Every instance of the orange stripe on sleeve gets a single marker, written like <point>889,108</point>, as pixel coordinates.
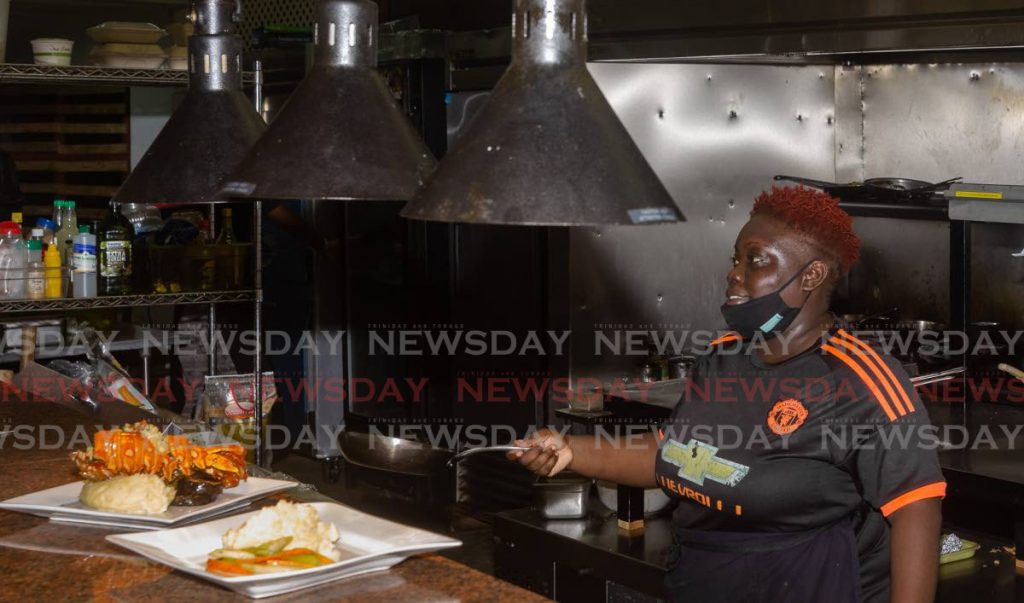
<point>725,338</point>
<point>879,377</point>
<point>850,362</point>
<point>935,490</point>
<point>871,352</point>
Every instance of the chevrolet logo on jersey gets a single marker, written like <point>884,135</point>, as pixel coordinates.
<point>697,460</point>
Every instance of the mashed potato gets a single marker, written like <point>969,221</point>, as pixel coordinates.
<point>299,521</point>
<point>141,494</point>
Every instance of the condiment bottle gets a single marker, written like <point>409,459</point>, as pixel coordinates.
<point>54,275</point>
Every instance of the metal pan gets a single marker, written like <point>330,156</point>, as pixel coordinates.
<point>876,189</point>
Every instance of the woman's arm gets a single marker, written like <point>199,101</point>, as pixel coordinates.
<point>628,461</point>
<point>915,551</point>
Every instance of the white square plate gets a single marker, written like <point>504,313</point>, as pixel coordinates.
<point>367,544</point>
<point>63,502</point>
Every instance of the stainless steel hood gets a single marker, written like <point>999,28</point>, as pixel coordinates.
<point>546,149</point>
<point>340,135</point>
<point>211,131</point>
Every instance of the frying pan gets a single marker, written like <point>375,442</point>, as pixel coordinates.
<point>902,189</point>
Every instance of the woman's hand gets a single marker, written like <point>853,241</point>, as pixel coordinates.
<point>549,453</point>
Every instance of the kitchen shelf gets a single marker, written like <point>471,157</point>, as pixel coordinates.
<point>971,202</point>
<point>89,74</point>
<point>120,301</point>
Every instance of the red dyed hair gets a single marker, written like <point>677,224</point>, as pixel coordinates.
<point>816,215</point>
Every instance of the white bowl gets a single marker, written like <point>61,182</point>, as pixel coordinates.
<point>654,498</point>
<point>52,51</point>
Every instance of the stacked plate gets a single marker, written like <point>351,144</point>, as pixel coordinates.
<point>127,45</point>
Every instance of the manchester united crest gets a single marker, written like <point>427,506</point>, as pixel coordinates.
<point>786,416</point>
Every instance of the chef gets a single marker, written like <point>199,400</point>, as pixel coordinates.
<point>835,494</point>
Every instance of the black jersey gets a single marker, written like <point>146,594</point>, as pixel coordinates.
<point>836,434</point>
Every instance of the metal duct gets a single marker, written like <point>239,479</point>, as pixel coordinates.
<point>340,135</point>
<point>546,149</point>
<point>211,131</point>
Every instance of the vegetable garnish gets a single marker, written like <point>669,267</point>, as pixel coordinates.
<point>266,558</point>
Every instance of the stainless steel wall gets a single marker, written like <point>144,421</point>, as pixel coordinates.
<point>715,134</point>
<point>932,122</point>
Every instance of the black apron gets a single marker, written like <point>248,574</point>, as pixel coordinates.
<point>747,567</point>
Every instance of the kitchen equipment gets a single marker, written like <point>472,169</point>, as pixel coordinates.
<point>563,496</point>
<point>472,451</point>
<point>395,455</point>
<point>655,500</point>
<point>947,375</point>
<point>546,119</point>
<point>679,366</point>
<point>127,32</point>
<point>52,51</point>
<point>212,128</point>
<point>878,189</point>
<point>318,146</point>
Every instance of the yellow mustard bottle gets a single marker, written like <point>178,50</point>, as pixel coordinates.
<point>51,262</point>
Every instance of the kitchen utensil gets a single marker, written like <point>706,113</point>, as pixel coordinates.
<point>393,455</point>
<point>930,378</point>
<point>472,451</point>
<point>562,497</point>
<point>367,544</point>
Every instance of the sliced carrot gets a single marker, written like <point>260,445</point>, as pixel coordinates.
<point>229,569</point>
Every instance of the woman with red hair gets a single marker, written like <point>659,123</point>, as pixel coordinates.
<point>834,493</point>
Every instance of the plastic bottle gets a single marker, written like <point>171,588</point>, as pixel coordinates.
<point>49,228</point>
<point>12,261</point>
<point>66,233</point>
<point>35,273</point>
<point>36,255</point>
<point>58,212</point>
<point>115,253</point>
<point>84,263</point>
<point>16,218</point>
<point>54,275</point>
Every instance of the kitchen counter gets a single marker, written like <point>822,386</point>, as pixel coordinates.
<point>592,548</point>
<point>89,568</point>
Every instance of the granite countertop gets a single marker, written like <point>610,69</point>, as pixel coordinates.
<point>89,568</point>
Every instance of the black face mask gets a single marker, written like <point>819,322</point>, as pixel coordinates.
<point>768,314</point>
